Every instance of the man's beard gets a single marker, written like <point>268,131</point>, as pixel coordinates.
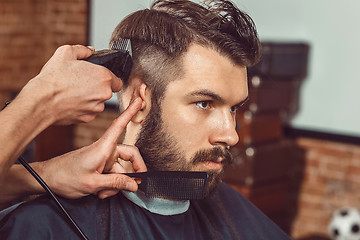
<point>160,151</point>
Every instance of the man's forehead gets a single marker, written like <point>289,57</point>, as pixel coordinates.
<point>209,74</point>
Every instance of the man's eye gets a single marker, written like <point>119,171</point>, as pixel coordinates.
<point>204,105</point>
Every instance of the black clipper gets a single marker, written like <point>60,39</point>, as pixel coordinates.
<point>118,59</point>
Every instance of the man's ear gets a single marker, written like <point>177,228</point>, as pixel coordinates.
<point>144,93</point>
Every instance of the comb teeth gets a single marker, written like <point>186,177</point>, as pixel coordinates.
<point>173,184</point>
<point>177,188</point>
<point>122,44</point>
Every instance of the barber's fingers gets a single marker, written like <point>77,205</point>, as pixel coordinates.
<point>78,52</point>
<point>125,153</point>
<point>91,48</point>
<point>118,125</point>
<point>81,52</point>
<point>73,52</point>
<point>116,84</point>
<point>112,183</point>
<point>107,193</point>
<point>132,154</point>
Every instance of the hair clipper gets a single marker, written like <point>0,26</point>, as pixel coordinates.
<point>118,59</point>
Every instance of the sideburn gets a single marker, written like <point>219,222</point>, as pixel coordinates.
<point>158,149</point>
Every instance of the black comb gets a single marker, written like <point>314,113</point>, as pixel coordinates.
<point>172,184</point>
<point>117,59</point>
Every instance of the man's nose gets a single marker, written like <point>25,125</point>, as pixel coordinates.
<point>224,132</point>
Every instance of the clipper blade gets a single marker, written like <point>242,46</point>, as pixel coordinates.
<point>122,44</point>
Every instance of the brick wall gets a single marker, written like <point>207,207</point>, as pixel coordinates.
<point>30,31</point>
<point>330,180</point>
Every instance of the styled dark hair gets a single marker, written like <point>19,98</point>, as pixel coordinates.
<point>160,35</point>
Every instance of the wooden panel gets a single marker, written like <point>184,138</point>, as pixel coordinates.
<point>258,128</point>
<point>282,60</point>
<point>270,198</point>
<point>259,164</point>
<point>269,95</point>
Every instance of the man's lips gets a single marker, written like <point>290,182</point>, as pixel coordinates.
<point>219,160</point>
<point>214,159</point>
<point>214,164</point>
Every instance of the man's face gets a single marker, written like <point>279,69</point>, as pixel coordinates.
<point>195,123</point>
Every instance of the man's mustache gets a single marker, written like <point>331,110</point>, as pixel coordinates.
<point>212,155</point>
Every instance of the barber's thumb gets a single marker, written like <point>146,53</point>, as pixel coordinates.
<point>82,52</point>
<point>107,193</point>
<point>113,182</point>
<point>116,84</point>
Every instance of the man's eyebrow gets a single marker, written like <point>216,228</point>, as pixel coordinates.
<point>206,93</point>
<point>214,96</point>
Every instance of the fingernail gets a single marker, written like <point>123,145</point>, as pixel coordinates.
<point>103,196</point>
<point>91,48</point>
<point>135,100</point>
<point>131,186</point>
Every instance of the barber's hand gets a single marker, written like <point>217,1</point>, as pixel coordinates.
<point>79,173</point>
<point>78,88</point>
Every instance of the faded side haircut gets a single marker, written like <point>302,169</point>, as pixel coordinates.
<point>162,34</point>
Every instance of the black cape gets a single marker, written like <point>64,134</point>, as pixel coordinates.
<point>225,215</point>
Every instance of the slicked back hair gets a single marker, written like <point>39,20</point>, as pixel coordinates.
<point>162,34</point>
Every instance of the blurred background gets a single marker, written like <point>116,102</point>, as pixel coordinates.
<point>298,159</point>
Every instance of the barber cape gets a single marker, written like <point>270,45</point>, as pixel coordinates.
<point>225,215</point>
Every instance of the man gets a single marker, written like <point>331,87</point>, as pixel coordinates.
<point>190,72</point>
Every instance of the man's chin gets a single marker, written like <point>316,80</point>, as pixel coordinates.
<point>213,182</point>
